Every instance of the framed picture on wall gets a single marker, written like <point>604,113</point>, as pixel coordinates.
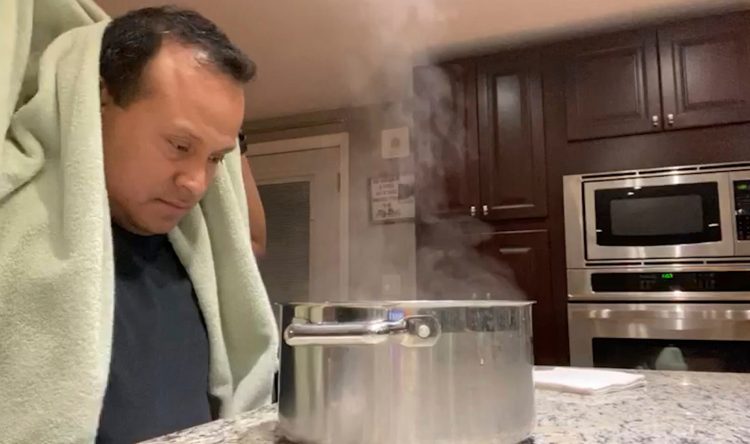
<point>392,198</point>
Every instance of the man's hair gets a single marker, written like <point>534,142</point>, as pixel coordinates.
<point>131,40</point>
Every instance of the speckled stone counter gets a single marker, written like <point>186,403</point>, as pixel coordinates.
<point>673,407</point>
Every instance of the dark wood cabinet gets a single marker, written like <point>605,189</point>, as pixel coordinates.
<point>446,133</point>
<point>526,253</point>
<point>505,265</point>
<point>612,86</point>
<point>480,139</point>
<point>677,76</point>
<point>511,138</point>
<point>705,71</point>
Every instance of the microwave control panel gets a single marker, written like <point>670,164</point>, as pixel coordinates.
<point>742,209</point>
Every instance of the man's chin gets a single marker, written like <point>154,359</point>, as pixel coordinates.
<point>164,227</point>
<point>156,226</point>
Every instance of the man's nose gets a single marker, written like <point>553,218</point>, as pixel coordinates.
<point>193,178</point>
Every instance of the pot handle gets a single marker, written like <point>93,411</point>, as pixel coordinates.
<point>416,330</point>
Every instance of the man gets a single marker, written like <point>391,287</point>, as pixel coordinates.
<point>172,104</point>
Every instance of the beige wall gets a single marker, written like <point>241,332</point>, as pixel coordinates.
<point>375,249</point>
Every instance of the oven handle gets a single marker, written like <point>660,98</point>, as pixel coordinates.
<point>705,312</point>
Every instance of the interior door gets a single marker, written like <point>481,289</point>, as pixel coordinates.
<point>301,197</point>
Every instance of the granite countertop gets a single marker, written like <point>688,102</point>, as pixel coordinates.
<point>673,407</point>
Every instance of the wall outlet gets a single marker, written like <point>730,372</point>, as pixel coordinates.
<point>391,284</point>
<point>394,142</point>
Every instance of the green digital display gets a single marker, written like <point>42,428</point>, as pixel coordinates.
<point>667,276</point>
<point>742,186</point>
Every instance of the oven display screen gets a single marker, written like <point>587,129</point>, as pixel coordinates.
<point>671,281</point>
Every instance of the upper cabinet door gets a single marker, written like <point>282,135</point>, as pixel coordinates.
<point>446,140</point>
<point>705,71</point>
<point>511,138</point>
<point>612,86</point>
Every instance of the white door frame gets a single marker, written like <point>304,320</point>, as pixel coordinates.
<point>340,141</point>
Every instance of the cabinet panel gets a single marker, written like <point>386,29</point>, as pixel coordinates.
<point>511,144</point>
<point>612,86</point>
<point>705,67</point>
<point>526,253</point>
<point>509,265</point>
<point>446,130</point>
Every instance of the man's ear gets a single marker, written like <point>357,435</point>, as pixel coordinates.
<point>105,97</point>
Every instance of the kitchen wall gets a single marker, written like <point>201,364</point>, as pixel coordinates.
<point>376,249</point>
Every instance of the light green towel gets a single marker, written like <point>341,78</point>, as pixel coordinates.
<point>56,264</point>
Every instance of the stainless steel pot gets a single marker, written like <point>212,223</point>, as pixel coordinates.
<point>406,372</point>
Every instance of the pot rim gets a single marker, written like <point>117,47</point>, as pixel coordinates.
<point>412,303</point>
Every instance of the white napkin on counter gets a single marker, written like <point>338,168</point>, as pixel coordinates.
<point>585,381</point>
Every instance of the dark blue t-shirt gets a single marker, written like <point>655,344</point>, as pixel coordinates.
<point>158,380</point>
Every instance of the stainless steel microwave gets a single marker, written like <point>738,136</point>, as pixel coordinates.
<point>672,214</point>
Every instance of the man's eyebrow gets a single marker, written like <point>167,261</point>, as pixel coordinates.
<point>186,130</point>
<point>226,150</point>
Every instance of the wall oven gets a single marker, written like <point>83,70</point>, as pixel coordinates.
<point>658,268</point>
<point>662,317</point>
<point>661,336</point>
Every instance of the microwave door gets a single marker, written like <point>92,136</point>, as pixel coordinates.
<point>676,216</point>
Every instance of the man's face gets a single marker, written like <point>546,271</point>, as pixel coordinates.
<point>162,149</point>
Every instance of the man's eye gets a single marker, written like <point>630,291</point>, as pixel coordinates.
<point>180,147</point>
<point>217,159</point>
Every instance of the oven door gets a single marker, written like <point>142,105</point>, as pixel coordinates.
<point>661,336</point>
<point>674,216</point>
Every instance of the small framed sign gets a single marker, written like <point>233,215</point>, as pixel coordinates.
<point>392,198</point>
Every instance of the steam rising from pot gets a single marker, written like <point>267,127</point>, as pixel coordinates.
<point>453,259</point>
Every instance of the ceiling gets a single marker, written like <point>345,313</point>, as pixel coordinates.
<point>325,54</point>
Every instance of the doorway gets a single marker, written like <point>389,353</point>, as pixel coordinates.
<point>303,184</point>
